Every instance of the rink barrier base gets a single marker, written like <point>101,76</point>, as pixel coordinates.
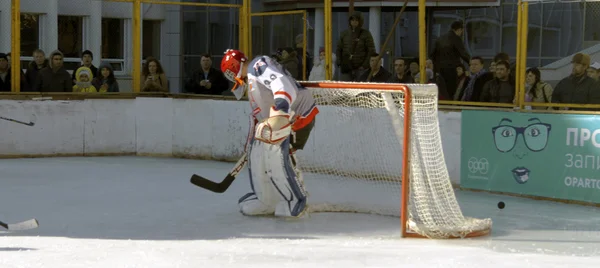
<point>205,129</point>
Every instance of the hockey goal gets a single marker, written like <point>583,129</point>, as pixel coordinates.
<point>376,148</point>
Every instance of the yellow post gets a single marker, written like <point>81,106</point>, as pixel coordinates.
<point>15,63</point>
<point>136,73</point>
<point>518,60</point>
<point>248,32</point>
<point>422,42</point>
<point>523,56</point>
<point>242,28</point>
<point>328,41</point>
<point>304,18</point>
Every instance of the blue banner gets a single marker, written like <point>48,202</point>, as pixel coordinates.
<point>549,155</point>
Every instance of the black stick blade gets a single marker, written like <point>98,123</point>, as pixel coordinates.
<point>211,185</point>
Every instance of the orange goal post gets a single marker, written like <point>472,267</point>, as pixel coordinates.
<point>376,148</point>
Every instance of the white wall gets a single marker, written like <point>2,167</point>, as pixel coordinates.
<point>206,129</point>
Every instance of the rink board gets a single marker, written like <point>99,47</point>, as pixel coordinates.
<point>187,128</point>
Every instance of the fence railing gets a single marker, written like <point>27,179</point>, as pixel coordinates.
<point>201,31</point>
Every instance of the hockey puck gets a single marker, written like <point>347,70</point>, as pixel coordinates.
<point>500,205</point>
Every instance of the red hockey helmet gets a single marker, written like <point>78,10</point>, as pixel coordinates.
<point>231,66</point>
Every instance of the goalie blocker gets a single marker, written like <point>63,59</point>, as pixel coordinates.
<point>283,116</point>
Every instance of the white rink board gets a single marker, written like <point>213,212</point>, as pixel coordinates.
<point>198,128</point>
<point>59,127</point>
<point>109,126</point>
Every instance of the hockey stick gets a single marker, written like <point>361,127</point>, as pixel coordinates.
<point>220,187</point>
<point>24,225</point>
<point>17,121</point>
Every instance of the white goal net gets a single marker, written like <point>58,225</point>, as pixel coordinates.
<point>353,161</point>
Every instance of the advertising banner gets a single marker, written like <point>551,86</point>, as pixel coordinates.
<point>548,155</point>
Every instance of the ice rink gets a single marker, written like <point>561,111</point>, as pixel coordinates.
<point>143,212</point>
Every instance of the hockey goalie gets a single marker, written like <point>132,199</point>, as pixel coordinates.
<point>283,114</point>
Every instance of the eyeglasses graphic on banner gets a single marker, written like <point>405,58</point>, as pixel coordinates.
<point>535,135</point>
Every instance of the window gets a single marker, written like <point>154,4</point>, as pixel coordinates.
<point>113,43</point>
<point>70,39</point>
<point>151,39</point>
<point>30,33</point>
<point>113,39</point>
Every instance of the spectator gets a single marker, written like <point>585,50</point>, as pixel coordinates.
<point>433,78</point>
<point>354,49</point>
<point>39,62</point>
<point>463,81</point>
<point>492,67</point>
<point>207,80</point>
<point>83,83</point>
<point>289,60</point>
<point>277,55</point>
<point>299,52</point>
<point>594,71</point>
<point>536,90</point>
<point>414,70</point>
<point>429,64</point>
<point>105,80</point>
<point>5,75</point>
<point>154,78</point>
<point>86,61</point>
<point>24,85</point>
<point>55,77</point>
<point>500,89</point>
<point>438,80</point>
<point>577,88</point>
<point>448,50</point>
<point>400,75</point>
<point>380,74</point>
<point>479,77</point>
<point>318,70</point>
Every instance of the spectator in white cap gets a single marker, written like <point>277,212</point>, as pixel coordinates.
<point>594,71</point>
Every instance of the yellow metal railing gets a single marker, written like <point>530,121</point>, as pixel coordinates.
<point>245,45</point>
<point>328,42</point>
<point>16,46</point>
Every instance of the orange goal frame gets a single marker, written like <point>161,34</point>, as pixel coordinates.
<point>405,177</point>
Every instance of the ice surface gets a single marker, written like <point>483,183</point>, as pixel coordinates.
<point>143,212</point>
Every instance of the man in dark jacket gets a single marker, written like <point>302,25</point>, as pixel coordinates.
<point>448,50</point>
<point>5,75</point>
<point>479,77</point>
<point>55,77</point>
<point>380,74</point>
<point>38,63</point>
<point>400,76</point>
<point>207,80</point>
<point>354,48</point>
<point>501,89</point>
<point>86,61</point>
<point>577,88</point>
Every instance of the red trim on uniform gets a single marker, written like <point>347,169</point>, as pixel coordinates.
<point>303,121</point>
<point>281,92</point>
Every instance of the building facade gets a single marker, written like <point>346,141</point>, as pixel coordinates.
<point>177,35</point>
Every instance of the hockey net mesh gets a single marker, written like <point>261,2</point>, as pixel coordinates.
<point>353,160</point>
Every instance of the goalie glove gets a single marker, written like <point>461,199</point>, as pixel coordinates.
<point>274,129</point>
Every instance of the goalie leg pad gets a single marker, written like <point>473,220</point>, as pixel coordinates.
<point>263,198</point>
<point>276,187</point>
<point>286,181</point>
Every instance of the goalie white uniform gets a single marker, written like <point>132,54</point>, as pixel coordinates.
<point>276,183</point>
